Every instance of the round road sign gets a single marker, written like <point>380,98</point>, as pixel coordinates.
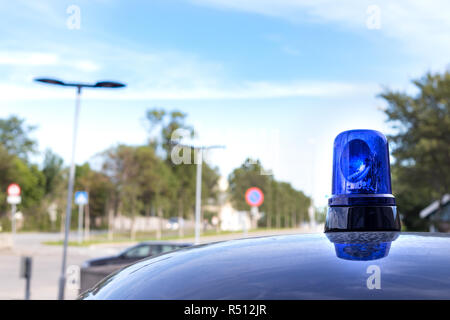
<point>13,190</point>
<point>254,197</point>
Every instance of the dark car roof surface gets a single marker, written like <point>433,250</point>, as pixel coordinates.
<point>302,266</point>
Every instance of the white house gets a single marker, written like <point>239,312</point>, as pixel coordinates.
<point>231,219</point>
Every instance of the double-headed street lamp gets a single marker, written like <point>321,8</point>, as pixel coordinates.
<point>198,187</point>
<point>79,86</point>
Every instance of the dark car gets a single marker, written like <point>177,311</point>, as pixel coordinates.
<point>361,255</point>
<point>338,265</point>
<point>92,271</point>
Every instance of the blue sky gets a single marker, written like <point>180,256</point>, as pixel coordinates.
<point>275,80</point>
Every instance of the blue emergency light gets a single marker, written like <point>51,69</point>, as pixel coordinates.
<point>362,247</point>
<point>362,197</point>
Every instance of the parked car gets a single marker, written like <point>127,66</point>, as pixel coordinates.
<point>92,271</point>
<point>174,223</point>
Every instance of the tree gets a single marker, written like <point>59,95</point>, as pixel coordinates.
<point>7,163</point>
<point>99,188</point>
<point>183,175</point>
<point>55,185</point>
<point>14,137</point>
<point>154,119</point>
<point>421,146</point>
<point>53,172</point>
<point>122,168</point>
<point>142,182</point>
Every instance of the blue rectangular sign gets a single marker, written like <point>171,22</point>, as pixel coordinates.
<point>81,198</point>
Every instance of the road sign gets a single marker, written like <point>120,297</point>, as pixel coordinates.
<point>13,189</point>
<point>81,198</point>
<point>73,277</point>
<point>25,272</point>
<point>52,211</point>
<point>254,197</point>
<point>14,199</point>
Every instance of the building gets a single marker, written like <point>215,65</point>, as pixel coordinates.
<point>438,215</point>
<point>230,218</point>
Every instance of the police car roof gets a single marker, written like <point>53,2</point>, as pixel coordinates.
<point>345,265</point>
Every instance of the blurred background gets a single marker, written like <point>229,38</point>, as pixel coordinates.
<point>270,82</point>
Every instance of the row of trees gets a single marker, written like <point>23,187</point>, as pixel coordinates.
<point>283,205</point>
<point>131,180</point>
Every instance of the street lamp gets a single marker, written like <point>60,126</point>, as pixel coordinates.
<point>79,86</point>
<point>198,184</point>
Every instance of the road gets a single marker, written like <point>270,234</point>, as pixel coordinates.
<point>46,267</point>
<point>47,261</point>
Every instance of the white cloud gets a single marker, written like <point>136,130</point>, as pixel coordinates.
<point>19,59</point>
<point>422,27</point>
<point>14,58</point>
<point>290,50</point>
<point>152,75</point>
<point>245,90</point>
<point>86,65</point>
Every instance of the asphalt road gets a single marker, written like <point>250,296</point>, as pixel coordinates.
<point>46,267</point>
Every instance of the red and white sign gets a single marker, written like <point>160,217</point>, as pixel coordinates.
<point>13,194</point>
<point>254,197</point>
<point>13,190</point>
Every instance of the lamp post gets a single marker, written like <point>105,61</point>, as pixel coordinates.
<point>79,86</point>
<point>198,185</point>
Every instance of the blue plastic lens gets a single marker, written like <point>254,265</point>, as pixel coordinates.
<point>360,165</point>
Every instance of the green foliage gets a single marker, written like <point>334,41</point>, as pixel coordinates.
<point>14,137</point>
<point>247,176</point>
<point>283,205</point>
<point>39,187</point>
<point>132,180</point>
<point>29,177</point>
<point>53,172</point>
<point>182,176</point>
<point>98,186</point>
<point>421,147</point>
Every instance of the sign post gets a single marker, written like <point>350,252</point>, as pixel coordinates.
<point>25,272</point>
<point>255,198</point>
<point>53,213</point>
<point>81,199</point>
<point>13,199</point>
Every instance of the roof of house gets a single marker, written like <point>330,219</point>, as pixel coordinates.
<point>434,206</point>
